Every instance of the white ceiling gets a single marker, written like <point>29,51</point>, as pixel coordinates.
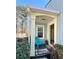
<point>47,19</point>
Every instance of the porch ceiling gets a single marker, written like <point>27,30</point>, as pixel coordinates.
<point>43,19</point>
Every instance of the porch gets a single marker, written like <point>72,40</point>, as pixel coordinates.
<point>40,25</point>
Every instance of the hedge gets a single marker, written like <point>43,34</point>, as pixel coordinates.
<point>59,49</point>
<point>22,48</point>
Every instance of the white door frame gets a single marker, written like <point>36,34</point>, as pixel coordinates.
<point>37,30</point>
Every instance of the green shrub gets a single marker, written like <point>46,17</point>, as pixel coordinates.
<point>22,48</point>
<point>59,49</point>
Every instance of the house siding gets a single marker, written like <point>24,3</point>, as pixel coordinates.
<point>58,5</point>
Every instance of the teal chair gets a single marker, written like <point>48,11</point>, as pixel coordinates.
<point>38,41</point>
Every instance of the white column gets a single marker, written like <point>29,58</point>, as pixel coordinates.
<point>32,33</point>
<point>28,26</point>
<point>48,32</point>
<point>55,30</point>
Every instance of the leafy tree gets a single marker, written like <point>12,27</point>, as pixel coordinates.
<point>21,14</point>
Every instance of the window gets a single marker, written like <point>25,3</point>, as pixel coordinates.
<point>40,31</point>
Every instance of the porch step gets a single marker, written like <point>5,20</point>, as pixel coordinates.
<point>42,58</point>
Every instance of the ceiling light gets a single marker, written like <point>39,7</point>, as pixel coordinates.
<point>43,19</point>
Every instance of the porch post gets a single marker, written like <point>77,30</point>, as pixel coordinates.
<point>28,26</point>
<point>48,33</point>
<point>55,30</point>
<point>32,33</point>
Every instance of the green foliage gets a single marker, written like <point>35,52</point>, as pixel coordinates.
<point>22,49</point>
<point>59,49</point>
<point>58,46</point>
<point>21,12</point>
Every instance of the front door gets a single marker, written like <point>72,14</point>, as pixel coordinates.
<point>40,31</point>
<point>52,34</point>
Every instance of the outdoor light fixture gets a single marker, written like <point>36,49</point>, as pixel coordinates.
<point>43,19</point>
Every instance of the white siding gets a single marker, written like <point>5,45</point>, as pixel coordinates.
<point>58,5</point>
